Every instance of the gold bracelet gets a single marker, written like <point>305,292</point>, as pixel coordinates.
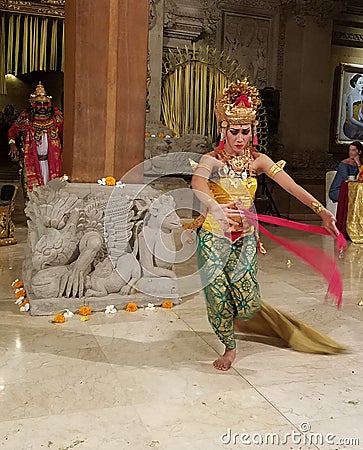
<point>198,222</point>
<point>276,168</point>
<point>317,207</point>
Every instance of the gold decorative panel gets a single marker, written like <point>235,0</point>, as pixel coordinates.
<point>48,8</point>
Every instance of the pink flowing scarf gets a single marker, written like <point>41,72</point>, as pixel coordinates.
<point>320,261</point>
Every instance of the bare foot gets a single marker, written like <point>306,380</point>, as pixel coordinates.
<point>225,361</point>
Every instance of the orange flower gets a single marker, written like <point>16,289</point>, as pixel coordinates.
<point>161,135</point>
<point>147,134</point>
<point>131,307</point>
<point>23,303</point>
<point>85,311</point>
<point>110,181</point>
<point>59,318</point>
<point>167,304</point>
<point>21,293</point>
<point>18,285</point>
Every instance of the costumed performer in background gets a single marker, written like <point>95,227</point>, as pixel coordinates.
<point>39,129</point>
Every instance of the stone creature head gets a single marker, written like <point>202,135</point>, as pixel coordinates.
<point>103,269</point>
<point>162,214</point>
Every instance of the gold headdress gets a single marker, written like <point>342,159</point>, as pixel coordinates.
<point>39,95</point>
<point>238,104</point>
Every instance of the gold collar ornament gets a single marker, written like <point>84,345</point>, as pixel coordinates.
<point>237,166</point>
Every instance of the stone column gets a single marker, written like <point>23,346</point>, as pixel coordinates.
<point>105,87</point>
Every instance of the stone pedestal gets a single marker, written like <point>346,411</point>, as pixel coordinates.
<point>99,245</point>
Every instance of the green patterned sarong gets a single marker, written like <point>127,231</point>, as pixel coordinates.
<point>228,271</point>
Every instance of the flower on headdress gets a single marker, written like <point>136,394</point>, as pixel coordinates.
<point>110,309</point>
<point>85,311</point>
<point>102,181</point>
<point>150,307</point>
<point>147,134</point>
<point>167,304</point>
<point>59,318</point>
<point>120,184</point>
<point>110,181</point>
<point>64,177</point>
<point>161,135</point>
<point>243,99</point>
<point>131,307</point>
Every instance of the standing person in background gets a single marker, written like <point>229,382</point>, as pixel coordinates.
<point>39,129</point>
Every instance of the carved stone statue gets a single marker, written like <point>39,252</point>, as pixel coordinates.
<point>106,279</point>
<point>157,248</point>
<point>87,246</point>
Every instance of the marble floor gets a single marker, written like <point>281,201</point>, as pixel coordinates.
<point>145,379</point>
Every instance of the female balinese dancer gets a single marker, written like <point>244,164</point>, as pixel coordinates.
<point>225,181</point>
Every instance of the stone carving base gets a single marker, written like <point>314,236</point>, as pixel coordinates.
<point>52,306</point>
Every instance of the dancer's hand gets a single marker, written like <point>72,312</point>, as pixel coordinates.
<point>226,214</point>
<point>14,151</point>
<point>329,222</point>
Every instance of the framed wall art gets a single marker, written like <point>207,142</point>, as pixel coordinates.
<point>347,117</point>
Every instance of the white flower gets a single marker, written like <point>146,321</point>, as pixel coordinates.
<point>110,309</point>
<point>67,314</point>
<point>150,307</point>
<point>18,289</point>
<point>25,307</point>
<point>167,136</point>
<point>19,300</point>
<point>102,181</point>
<point>15,281</point>
<point>153,135</point>
<point>120,184</point>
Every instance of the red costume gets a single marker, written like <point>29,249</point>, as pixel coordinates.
<point>41,135</point>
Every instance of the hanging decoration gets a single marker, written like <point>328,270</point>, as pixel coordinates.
<point>29,43</point>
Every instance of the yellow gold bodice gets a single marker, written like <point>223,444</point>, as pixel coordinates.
<point>226,190</point>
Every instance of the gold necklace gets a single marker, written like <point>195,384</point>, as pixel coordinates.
<point>238,163</point>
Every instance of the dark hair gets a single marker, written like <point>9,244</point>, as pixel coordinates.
<point>353,80</point>
<point>358,145</point>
